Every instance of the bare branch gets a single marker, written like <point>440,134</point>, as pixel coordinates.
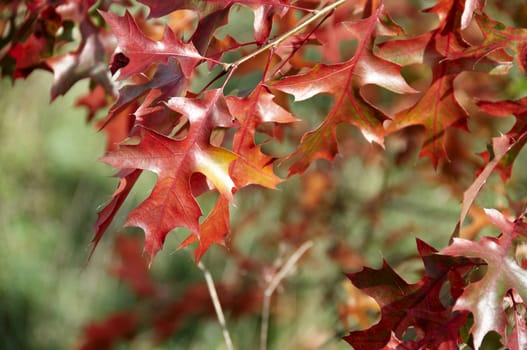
<point>314,16</point>
<point>217,305</point>
<point>275,282</point>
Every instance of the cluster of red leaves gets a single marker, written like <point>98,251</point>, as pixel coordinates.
<point>436,317</point>
<point>197,140</point>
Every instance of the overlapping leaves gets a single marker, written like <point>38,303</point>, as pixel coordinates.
<point>436,318</point>
<point>198,137</point>
<point>485,298</point>
<point>419,306</point>
<point>343,82</point>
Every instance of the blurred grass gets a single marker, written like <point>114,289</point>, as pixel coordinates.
<point>50,186</point>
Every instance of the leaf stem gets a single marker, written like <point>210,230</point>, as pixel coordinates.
<point>217,305</point>
<point>312,17</point>
<point>297,47</point>
<point>212,81</point>
<point>275,282</point>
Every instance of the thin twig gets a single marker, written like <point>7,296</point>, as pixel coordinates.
<point>304,40</point>
<point>217,305</point>
<point>314,16</point>
<point>275,282</point>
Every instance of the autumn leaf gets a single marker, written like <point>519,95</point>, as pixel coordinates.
<point>336,29</point>
<point>499,42</point>
<point>438,108</point>
<point>143,52</point>
<point>484,298</point>
<point>468,11</point>
<point>417,305</point>
<point>118,128</point>
<point>86,62</point>
<point>94,101</point>
<point>128,178</point>
<point>343,82</point>
<point>518,337</point>
<point>253,166</point>
<point>213,230</point>
<point>500,146</point>
<point>207,26</point>
<point>171,203</point>
<point>168,80</point>
<point>162,8</point>
<point>42,23</point>
<point>516,133</point>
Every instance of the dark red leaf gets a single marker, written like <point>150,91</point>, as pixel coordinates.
<point>418,306</point>
<point>143,52</point>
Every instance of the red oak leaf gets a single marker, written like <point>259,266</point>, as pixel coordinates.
<point>168,81</point>
<point>484,298</point>
<point>336,30</point>
<point>160,8</point>
<point>438,109</point>
<point>94,101</point>
<point>171,203</point>
<point>518,337</point>
<point>263,19</point>
<point>415,305</point>
<point>119,127</point>
<point>504,109</point>
<point>343,82</point>
<point>213,230</point>
<point>499,42</point>
<point>156,116</point>
<point>143,52</point>
<point>44,22</point>
<point>28,55</point>
<point>86,62</point>
<point>468,11</point>
<point>263,10</point>
<point>253,166</point>
<point>128,178</point>
<point>500,146</point>
<point>206,28</point>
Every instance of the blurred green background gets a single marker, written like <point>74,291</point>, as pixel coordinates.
<point>50,187</point>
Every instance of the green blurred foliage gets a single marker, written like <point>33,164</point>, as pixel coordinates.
<point>49,187</point>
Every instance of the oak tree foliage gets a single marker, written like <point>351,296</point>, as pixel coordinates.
<point>163,80</point>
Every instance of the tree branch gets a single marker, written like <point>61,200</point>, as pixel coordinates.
<point>217,305</point>
<point>275,282</point>
<point>314,16</point>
